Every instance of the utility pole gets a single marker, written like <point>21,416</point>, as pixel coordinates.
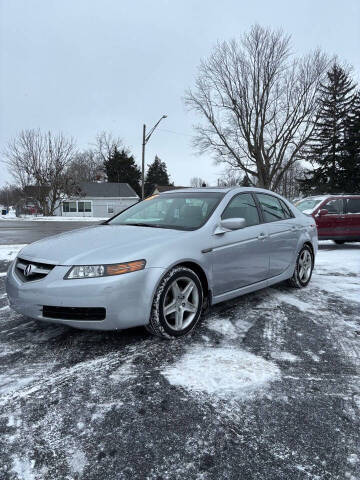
<point>143,163</point>
<point>146,138</point>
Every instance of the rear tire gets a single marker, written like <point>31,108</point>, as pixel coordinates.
<point>339,242</point>
<point>177,304</point>
<point>303,268</point>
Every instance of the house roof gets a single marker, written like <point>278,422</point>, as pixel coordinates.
<point>106,189</point>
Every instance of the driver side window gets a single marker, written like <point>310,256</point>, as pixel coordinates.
<point>242,206</point>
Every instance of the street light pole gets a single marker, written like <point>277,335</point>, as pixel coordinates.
<point>146,138</point>
<point>143,163</point>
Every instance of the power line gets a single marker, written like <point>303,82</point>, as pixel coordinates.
<point>176,133</point>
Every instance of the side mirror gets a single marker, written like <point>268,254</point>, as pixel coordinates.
<point>323,211</point>
<point>229,224</point>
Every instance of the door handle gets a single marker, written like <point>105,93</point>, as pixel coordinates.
<point>262,236</point>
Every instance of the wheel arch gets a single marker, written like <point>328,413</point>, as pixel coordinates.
<point>200,273</point>
<point>196,268</point>
<point>310,245</point>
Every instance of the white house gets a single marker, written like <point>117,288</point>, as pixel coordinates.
<point>98,200</point>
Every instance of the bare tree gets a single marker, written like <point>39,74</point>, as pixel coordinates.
<point>259,103</point>
<point>11,195</point>
<point>230,178</point>
<point>289,186</point>
<point>105,145</point>
<point>197,182</point>
<point>41,159</point>
<point>85,167</point>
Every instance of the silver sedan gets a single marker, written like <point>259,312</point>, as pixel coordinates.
<point>161,262</point>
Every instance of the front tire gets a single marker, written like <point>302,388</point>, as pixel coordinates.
<point>177,304</point>
<point>303,268</point>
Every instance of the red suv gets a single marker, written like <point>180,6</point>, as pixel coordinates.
<point>337,216</point>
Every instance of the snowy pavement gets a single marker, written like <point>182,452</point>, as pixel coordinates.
<point>268,387</point>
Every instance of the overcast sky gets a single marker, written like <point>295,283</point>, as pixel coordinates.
<point>83,66</point>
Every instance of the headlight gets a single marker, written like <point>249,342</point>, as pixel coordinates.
<point>91,271</point>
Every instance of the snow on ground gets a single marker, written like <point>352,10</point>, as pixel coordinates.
<point>54,219</point>
<point>221,371</point>
<point>345,261</point>
<point>9,252</point>
<point>268,383</point>
<point>284,356</point>
<point>337,271</point>
<point>223,326</point>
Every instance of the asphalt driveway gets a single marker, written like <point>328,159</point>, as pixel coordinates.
<point>267,388</point>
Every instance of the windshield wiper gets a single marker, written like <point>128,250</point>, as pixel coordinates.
<point>154,225</point>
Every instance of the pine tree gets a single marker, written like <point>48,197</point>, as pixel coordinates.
<point>350,172</point>
<point>325,152</point>
<point>121,167</point>
<point>245,182</point>
<point>156,175</point>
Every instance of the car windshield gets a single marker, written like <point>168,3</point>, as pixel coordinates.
<point>308,204</point>
<point>182,211</point>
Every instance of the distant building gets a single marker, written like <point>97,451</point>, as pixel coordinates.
<point>163,188</point>
<point>98,200</point>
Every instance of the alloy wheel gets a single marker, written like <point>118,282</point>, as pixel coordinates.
<point>305,266</point>
<point>181,303</point>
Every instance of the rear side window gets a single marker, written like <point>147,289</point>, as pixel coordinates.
<point>334,206</point>
<point>242,206</point>
<point>271,207</point>
<point>287,211</point>
<point>352,205</point>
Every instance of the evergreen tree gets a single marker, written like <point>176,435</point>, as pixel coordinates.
<point>121,167</point>
<point>245,182</point>
<point>325,151</point>
<point>156,175</point>
<point>350,171</point>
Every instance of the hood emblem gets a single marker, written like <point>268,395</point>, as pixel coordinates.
<point>28,270</point>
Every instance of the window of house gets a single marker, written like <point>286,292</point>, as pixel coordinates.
<point>242,206</point>
<point>72,206</point>
<point>76,207</point>
<point>69,207</point>
<point>271,207</point>
<point>84,206</point>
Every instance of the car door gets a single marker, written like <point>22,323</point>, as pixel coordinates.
<point>352,218</point>
<point>333,223</point>
<point>283,232</point>
<point>239,257</point>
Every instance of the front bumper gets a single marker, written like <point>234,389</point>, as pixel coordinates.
<point>127,298</point>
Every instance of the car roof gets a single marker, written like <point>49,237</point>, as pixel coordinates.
<point>217,189</point>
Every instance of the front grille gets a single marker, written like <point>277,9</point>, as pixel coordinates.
<point>37,271</point>
<point>74,313</point>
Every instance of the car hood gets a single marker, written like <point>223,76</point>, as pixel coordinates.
<point>100,244</point>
